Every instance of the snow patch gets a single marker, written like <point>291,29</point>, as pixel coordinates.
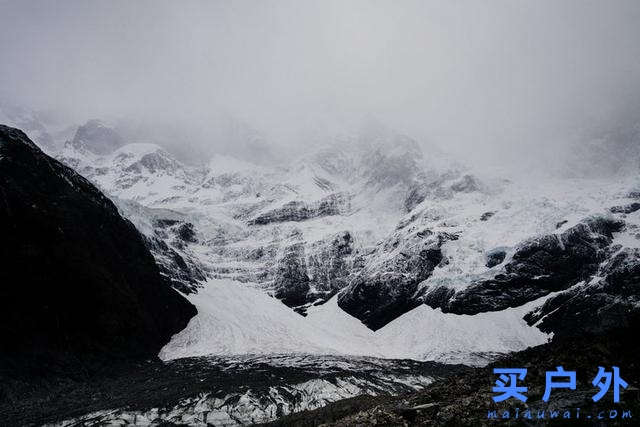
<point>234,318</point>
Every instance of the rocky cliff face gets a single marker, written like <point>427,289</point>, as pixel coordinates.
<point>385,288</point>
<point>333,204</point>
<point>538,266</point>
<point>436,262</point>
<point>608,302</point>
<point>78,286</point>
<point>273,226</point>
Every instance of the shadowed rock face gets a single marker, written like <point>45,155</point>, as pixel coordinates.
<point>292,283</point>
<point>539,266</point>
<point>305,275</point>
<point>495,257</point>
<point>333,204</point>
<point>169,246</point>
<point>387,285</point>
<point>78,286</point>
<point>613,299</point>
<point>597,277</point>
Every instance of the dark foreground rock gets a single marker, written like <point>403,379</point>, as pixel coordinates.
<point>466,399</point>
<point>78,287</point>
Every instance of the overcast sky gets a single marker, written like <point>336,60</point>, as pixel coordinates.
<point>480,77</point>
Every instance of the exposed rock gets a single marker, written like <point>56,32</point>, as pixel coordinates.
<point>78,287</point>
<point>184,231</point>
<point>437,296</point>
<point>442,187</point>
<point>333,204</point>
<point>540,266</point>
<point>609,302</point>
<point>386,287</point>
<point>174,262</point>
<point>561,223</point>
<point>329,263</point>
<point>415,196</point>
<point>626,209</point>
<point>173,242</point>
<point>495,257</point>
<point>291,284</point>
<point>97,138</point>
<point>485,216</point>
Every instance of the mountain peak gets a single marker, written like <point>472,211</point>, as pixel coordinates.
<point>97,137</point>
<point>12,135</point>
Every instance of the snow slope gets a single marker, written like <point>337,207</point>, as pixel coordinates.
<point>234,318</point>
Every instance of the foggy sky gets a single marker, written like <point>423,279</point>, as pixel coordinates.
<point>481,78</point>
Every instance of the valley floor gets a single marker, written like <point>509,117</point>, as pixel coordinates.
<point>221,391</point>
<point>466,398</point>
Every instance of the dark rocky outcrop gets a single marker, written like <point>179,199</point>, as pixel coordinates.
<point>78,287</point>
<point>487,215</point>
<point>333,204</point>
<point>154,162</point>
<point>386,287</point>
<point>247,384</point>
<point>306,274</point>
<point>495,257</point>
<point>444,186</point>
<point>539,266</point>
<point>291,284</point>
<point>626,209</point>
<point>169,248</point>
<point>607,303</point>
<point>329,264</point>
<point>416,195</point>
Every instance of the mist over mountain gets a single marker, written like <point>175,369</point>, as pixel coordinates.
<point>499,83</point>
<point>243,212</point>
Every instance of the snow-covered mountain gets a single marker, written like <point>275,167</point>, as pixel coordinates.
<point>364,251</point>
<point>397,249</point>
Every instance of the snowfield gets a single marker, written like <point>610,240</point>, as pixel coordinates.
<point>234,318</point>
